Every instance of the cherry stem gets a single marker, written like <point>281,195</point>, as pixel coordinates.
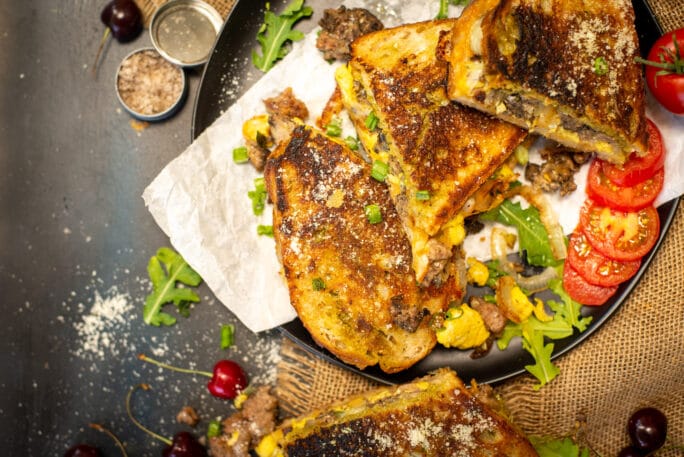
<point>103,40</point>
<point>118,442</point>
<point>135,421</point>
<point>144,358</point>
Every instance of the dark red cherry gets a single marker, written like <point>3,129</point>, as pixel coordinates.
<point>228,380</point>
<point>82,450</point>
<point>647,428</point>
<point>124,19</point>
<point>184,445</point>
<point>631,451</point>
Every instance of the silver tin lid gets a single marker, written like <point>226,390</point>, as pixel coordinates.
<point>184,31</point>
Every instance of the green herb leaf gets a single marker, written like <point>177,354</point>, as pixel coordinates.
<point>554,447</point>
<point>240,154</point>
<point>532,235</point>
<point>166,269</point>
<point>379,170</point>
<point>373,213</point>
<point>258,196</point>
<point>227,335</point>
<point>276,32</point>
<point>569,310</point>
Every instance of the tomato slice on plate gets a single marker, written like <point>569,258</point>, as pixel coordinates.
<point>638,169</point>
<point>582,291</point>
<point>596,268</point>
<point>620,235</point>
<point>607,193</point>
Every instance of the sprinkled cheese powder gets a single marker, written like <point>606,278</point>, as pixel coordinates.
<point>148,84</point>
<point>101,328</point>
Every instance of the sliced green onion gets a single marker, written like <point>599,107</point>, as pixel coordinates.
<point>227,335</point>
<point>265,230</point>
<point>379,170</point>
<point>240,155</point>
<point>334,128</point>
<point>352,143</point>
<point>373,213</point>
<point>214,428</point>
<point>372,121</point>
<point>423,195</point>
<point>600,66</point>
<point>317,284</point>
<point>258,196</point>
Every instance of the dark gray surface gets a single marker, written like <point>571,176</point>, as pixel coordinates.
<point>74,231</point>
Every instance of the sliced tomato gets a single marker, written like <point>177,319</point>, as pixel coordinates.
<point>596,268</point>
<point>620,235</point>
<point>607,193</point>
<point>582,291</point>
<point>638,169</point>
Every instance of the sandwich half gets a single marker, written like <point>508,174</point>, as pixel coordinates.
<point>346,257</point>
<point>444,160</point>
<point>433,416</point>
<point>562,68</point>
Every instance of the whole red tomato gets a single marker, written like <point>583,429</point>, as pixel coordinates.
<point>665,71</point>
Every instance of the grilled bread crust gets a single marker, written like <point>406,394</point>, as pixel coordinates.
<point>350,280</point>
<point>562,68</point>
<point>431,416</point>
<point>441,149</point>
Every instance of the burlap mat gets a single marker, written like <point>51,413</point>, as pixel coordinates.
<point>670,13</point>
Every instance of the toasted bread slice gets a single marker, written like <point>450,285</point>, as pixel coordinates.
<point>432,416</point>
<point>562,68</point>
<point>439,153</point>
<point>350,280</point>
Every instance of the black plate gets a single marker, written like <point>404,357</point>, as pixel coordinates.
<point>229,73</point>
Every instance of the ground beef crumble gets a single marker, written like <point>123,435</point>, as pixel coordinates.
<point>340,27</point>
<point>557,171</point>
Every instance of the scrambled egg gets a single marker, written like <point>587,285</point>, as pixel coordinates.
<point>478,273</point>
<point>463,328</point>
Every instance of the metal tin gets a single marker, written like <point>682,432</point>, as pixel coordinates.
<point>155,76</point>
<point>184,31</point>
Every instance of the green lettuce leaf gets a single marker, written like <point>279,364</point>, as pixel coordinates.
<point>166,269</point>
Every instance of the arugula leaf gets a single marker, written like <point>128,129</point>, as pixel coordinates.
<point>166,269</point>
<point>569,309</point>
<point>563,447</point>
<point>276,32</point>
<point>543,369</point>
<point>532,235</point>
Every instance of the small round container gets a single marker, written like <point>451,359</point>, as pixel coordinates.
<point>150,87</point>
<point>184,31</point>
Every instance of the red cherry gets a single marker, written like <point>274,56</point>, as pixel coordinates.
<point>184,445</point>
<point>82,450</point>
<point>228,380</point>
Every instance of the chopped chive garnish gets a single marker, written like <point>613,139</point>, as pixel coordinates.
<point>373,213</point>
<point>372,121</point>
<point>334,128</point>
<point>422,195</point>
<point>600,66</point>
<point>227,334</point>
<point>214,428</point>
<point>379,170</point>
<point>352,143</point>
<point>265,230</point>
<point>317,284</point>
<point>240,154</point>
<point>258,196</point>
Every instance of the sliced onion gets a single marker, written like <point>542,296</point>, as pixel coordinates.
<point>548,219</point>
<point>535,283</point>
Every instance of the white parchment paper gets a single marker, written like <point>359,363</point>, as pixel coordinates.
<point>200,198</point>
